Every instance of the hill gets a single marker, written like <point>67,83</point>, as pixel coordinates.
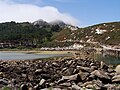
<point>105,33</point>
<point>43,34</point>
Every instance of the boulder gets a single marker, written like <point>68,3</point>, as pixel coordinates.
<point>116,78</point>
<point>100,74</point>
<point>117,69</point>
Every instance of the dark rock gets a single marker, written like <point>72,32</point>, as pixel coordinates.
<point>63,74</point>
<point>38,71</point>
<point>23,87</point>
<point>102,76</point>
<point>46,76</point>
<point>3,82</point>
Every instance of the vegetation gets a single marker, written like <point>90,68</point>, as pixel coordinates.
<point>110,37</point>
<point>22,35</point>
<point>26,34</point>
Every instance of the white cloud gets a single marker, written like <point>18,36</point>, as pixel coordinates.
<point>28,12</point>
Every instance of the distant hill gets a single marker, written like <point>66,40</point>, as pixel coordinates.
<point>57,33</point>
<point>105,33</point>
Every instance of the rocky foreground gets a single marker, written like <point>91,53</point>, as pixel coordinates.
<point>64,74</point>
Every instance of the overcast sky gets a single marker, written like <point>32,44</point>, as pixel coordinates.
<point>75,12</point>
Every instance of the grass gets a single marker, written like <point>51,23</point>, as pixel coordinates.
<point>6,88</point>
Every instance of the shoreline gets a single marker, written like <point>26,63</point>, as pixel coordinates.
<point>39,52</point>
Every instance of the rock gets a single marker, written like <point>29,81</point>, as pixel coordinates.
<point>75,78</point>
<point>55,64</point>
<point>100,74</point>
<point>71,78</point>
<point>95,84</point>
<point>46,76</point>
<point>117,69</point>
<point>110,87</point>
<point>52,89</point>
<point>63,74</point>
<point>42,82</point>
<point>84,75</point>
<point>1,74</point>
<point>76,87</point>
<point>68,71</point>
<point>23,87</point>
<point>67,84</point>
<point>103,65</point>
<point>90,86</point>
<point>110,70</point>
<point>87,69</point>
<point>38,71</point>
<point>24,75</point>
<point>94,68</point>
<point>37,87</point>
<point>116,78</point>
<point>3,82</point>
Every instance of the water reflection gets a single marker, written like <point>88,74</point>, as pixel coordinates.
<point>108,59</point>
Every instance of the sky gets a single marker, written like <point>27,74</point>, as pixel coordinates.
<point>81,13</point>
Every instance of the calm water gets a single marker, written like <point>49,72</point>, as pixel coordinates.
<point>24,56</point>
<point>113,60</point>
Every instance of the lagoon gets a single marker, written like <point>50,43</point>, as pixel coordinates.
<point>24,56</point>
<point>113,60</point>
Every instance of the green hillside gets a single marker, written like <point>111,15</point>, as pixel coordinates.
<point>26,34</point>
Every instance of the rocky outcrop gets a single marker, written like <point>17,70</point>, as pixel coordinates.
<point>64,74</point>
